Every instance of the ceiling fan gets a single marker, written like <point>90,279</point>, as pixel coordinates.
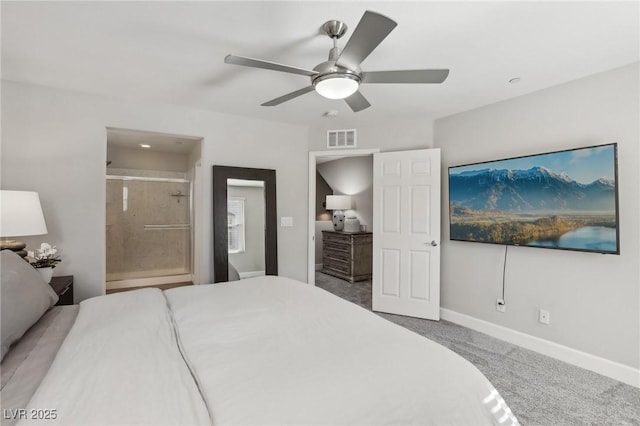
<point>340,76</point>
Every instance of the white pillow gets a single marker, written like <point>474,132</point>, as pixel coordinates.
<point>25,297</point>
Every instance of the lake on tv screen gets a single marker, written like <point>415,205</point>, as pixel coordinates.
<point>564,231</point>
<point>593,238</point>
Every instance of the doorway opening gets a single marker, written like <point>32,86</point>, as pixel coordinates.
<point>405,271</point>
<point>354,179</point>
<point>151,179</point>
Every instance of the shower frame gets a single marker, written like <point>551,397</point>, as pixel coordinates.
<point>167,279</point>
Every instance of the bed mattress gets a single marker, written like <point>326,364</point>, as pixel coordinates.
<point>261,351</point>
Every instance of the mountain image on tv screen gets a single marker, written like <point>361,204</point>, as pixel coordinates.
<point>564,199</point>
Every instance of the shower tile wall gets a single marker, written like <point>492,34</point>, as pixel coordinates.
<point>136,252</point>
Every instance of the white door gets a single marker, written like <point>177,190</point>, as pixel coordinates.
<point>406,233</point>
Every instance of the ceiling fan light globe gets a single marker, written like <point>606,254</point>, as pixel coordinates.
<point>336,87</point>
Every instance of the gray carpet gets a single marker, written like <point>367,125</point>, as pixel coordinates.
<point>540,390</point>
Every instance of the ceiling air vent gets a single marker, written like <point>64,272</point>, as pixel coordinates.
<point>341,138</point>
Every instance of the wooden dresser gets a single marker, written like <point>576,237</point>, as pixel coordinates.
<point>347,255</point>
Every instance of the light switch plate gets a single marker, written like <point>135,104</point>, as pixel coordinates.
<point>286,221</point>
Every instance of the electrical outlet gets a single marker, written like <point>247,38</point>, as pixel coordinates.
<point>544,317</point>
<point>501,306</point>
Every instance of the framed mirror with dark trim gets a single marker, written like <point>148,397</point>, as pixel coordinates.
<point>232,234</point>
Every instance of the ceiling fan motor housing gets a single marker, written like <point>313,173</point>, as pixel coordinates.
<point>329,69</point>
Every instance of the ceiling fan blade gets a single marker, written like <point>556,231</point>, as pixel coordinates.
<point>405,76</point>
<point>357,102</point>
<point>289,96</point>
<point>259,63</point>
<point>371,30</point>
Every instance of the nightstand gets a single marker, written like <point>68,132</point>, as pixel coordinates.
<point>63,286</point>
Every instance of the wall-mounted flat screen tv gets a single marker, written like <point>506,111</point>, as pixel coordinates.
<point>562,200</point>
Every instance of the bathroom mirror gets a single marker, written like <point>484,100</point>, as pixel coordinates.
<point>225,222</point>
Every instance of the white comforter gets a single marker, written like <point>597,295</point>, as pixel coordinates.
<point>263,351</point>
<point>119,365</point>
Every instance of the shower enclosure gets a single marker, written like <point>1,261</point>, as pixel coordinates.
<point>148,231</point>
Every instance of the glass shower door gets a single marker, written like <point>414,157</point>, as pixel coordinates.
<point>148,227</point>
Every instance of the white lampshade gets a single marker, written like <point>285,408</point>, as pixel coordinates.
<point>338,202</point>
<point>21,214</point>
<point>337,87</point>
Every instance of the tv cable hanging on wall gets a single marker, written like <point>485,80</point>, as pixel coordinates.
<point>501,303</point>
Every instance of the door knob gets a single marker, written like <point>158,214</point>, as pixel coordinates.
<point>434,243</point>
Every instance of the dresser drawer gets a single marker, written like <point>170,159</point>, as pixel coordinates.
<point>336,237</point>
<point>336,265</point>
<point>337,249</point>
<point>347,255</point>
<point>335,257</point>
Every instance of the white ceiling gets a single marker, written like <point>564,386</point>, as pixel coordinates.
<point>126,138</point>
<point>172,52</point>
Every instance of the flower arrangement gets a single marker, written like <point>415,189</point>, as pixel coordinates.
<point>44,257</point>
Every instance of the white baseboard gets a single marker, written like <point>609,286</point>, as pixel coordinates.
<point>612,369</point>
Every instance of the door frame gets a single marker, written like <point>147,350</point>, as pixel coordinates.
<point>313,156</point>
<point>196,220</point>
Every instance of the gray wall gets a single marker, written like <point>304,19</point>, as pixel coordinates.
<point>323,216</point>
<point>593,298</point>
<point>54,142</point>
<point>397,135</point>
<point>322,190</point>
<point>254,218</point>
<point>352,176</point>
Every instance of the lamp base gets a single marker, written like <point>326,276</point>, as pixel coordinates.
<point>338,220</point>
<point>13,245</point>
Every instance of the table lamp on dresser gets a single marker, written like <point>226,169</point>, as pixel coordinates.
<point>338,203</point>
<point>20,216</point>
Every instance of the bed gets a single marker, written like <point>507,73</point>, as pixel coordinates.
<point>261,351</point>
